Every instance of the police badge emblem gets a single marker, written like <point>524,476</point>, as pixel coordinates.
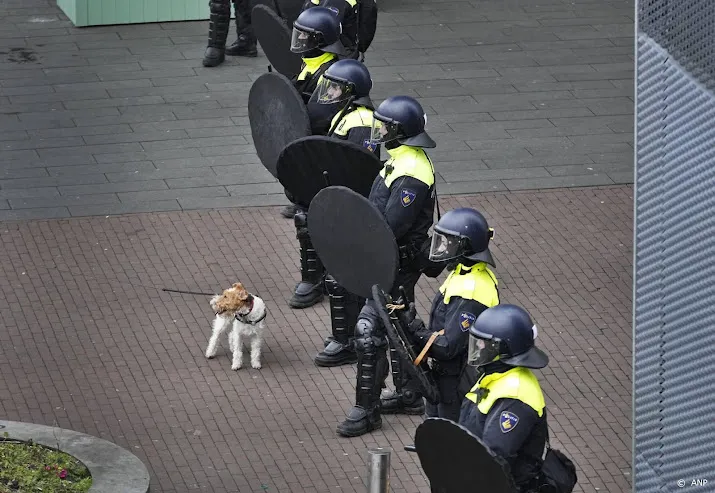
<point>407,197</point>
<point>508,421</point>
<point>466,320</point>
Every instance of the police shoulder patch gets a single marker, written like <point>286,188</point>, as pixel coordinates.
<point>369,145</point>
<point>407,196</point>
<point>466,320</point>
<point>508,421</point>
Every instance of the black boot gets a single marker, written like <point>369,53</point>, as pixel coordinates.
<point>406,398</point>
<point>344,310</point>
<point>309,290</point>
<point>364,416</point>
<point>218,32</point>
<point>245,45</point>
<point>288,211</point>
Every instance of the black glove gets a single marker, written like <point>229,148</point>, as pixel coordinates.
<point>410,320</point>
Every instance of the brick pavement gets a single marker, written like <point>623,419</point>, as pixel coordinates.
<point>104,120</point>
<point>90,342</point>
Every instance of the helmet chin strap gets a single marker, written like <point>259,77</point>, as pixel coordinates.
<point>342,114</point>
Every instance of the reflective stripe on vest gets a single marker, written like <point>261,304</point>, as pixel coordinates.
<point>360,117</point>
<point>311,65</point>
<point>478,284</point>
<point>518,383</point>
<point>408,161</point>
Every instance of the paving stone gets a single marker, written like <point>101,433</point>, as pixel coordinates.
<point>117,209</point>
<point>557,182</point>
<point>132,186</point>
<point>234,201</point>
<point>64,200</point>
<point>496,174</point>
<point>52,181</point>
<point>106,168</point>
<point>157,174</point>
<point>173,194</point>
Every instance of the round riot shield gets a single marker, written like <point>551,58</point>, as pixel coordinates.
<point>274,36</point>
<point>307,165</point>
<point>456,461</point>
<point>277,116</point>
<point>353,240</point>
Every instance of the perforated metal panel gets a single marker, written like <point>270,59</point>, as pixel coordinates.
<point>685,28</point>
<point>674,319</point>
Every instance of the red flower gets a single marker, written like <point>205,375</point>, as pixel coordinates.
<point>62,474</point>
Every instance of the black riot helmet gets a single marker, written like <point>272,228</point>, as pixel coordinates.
<point>505,333</point>
<point>317,28</point>
<point>462,234</point>
<point>401,119</point>
<point>345,80</point>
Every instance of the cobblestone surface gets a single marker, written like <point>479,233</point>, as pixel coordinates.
<point>90,342</point>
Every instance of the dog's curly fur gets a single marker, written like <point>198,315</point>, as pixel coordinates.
<point>244,312</point>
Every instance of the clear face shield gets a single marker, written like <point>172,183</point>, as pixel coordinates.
<point>330,91</point>
<point>481,351</point>
<point>303,41</point>
<point>444,247</point>
<point>378,132</point>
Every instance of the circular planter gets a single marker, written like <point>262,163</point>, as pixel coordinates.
<point>112,468</point>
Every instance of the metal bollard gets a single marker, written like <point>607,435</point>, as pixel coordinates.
<point>378,480</point>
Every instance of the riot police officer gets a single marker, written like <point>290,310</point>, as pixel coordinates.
<point>347,12</point>
<point>506,407</point>
<point>316,36</point>
<point>461,237</point>
<point>405,194</point>
<point>219,21</point>
<point>345,88</point>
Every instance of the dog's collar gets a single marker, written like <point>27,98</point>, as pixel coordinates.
<point>242,318</point>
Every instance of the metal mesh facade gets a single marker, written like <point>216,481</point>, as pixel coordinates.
<point>674,360</point>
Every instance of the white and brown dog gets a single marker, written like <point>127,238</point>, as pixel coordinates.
<point>245,313</point>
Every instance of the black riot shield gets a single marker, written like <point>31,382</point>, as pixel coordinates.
<point>277,116</point>
<point>353,240</point>
<point>274,35</point>
<point>309,164</point>
<point>399,340</point>
<point>456,461</point>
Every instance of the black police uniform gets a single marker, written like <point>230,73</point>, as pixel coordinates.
<point>506,410</point>
<point>466,293</point>
<point>219,21</point>
<point>355,127</point>
<point>404,193</point>
<point>310,290</point>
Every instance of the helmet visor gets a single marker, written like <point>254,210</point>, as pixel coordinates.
<point>481,351</point>
<point>377,132</point>
<point>303,41</point>
<point>329,91</point>
<point>444,247</point>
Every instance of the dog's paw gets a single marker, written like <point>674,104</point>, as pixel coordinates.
<point>256,366</point>
<point>236,367</point>
<point>210,356</point>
